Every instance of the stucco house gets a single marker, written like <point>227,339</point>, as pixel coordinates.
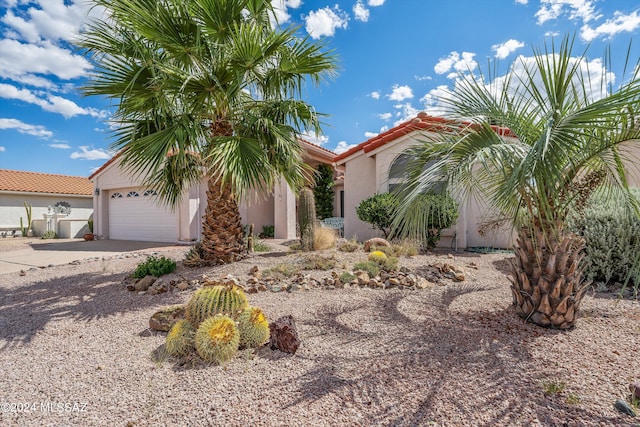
<point>127,210</point>
<point>376,166</point>
<point>43,191</point>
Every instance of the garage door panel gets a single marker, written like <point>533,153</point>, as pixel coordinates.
<point>138,217</point>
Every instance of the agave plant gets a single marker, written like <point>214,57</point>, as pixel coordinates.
<point>535,144</point>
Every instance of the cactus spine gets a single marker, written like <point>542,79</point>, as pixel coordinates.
<point>253,327</point>
<point>211,300</point>
<point>307,218</point>
<point>217,339</point>
<point>180,340</point>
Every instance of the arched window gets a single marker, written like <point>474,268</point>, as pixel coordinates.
<point>116,196</point>
<point>150,193</point>
<point>398,175</point>
<point>133,194</point>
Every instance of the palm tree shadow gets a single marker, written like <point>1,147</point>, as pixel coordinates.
<point>28,310</point>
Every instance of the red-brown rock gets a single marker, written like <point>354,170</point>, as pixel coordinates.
<point>284,335</point>
<point>376,241</point>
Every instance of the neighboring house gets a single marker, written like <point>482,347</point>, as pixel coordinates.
<point>127,210</point>
<point>377,166</point>
<point>43,192</point>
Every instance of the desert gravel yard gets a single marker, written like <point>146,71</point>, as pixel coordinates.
<point>75,350</point>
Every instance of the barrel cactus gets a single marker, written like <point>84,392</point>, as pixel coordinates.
<point>217,339</point>
<point>180,340</point>
<point>378,256</point>
<point>211,300</point>
<point>307,218</point>
<point>253,327</point>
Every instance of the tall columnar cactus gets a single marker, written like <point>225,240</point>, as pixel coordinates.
<point>211,300</point>
<point>180,340</point>
<point>307,218</point>
<point>29,217</point>
<point>253,327</point>
<point>217,339</point>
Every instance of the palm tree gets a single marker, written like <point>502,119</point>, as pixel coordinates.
<point>206,88</point>
<point>536,144</point>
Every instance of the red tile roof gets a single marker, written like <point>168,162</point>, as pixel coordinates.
<point>34,182</point>
<point>422,121</point>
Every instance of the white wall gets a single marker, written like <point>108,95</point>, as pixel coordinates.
<point>12,207</point>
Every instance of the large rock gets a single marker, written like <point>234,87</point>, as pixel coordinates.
<point>144,283</point>
<point>284,335</point>
<point>376,241</point>
<point>164,319</point>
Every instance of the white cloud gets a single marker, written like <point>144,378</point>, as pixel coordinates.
<point>552,34</point>
<point>522,1</point>
<point>375,95</point>
<point>422,78</point>
<point>405,112</point>
<point>90,154</point>
<point>360,12</point>
<point>457,62</point>
<point>323,22</point>
<point>280,9</point>
<point>370,135</point>
<point>60,146</point>
<point>583,10</point>
<point>620,23</point>
<point>385,116</point>
<point>343,146</point>
<point>2,149</point>
<point>54,103</point>
<point>25,128</point>
<point>400,93</point>
<point>375,3</point>
<point>314,138</point>
<point>19,61</point>
<point>506,48</point>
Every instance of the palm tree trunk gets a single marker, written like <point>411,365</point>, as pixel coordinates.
<point>222,234</point>
<point>546,279</point>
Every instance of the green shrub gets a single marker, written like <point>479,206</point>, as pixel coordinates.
<point>268,231</point>
<point>426,217</point>
<point>280,271</point>
<point>370,267</point>
<point>323,191</point>
<point>612,234</point>
<point>349,246</point>
<point>378,210</point>
<point>346,277</point>
<point>155,267</point>
<point>49,235</point>
<point>318,262</point>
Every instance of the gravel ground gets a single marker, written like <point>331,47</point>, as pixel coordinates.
<point>76,350</point>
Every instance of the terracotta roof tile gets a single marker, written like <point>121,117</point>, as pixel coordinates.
<point>34,182</point>
<point>422,121</point>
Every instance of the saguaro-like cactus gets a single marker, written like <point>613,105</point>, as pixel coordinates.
<point>307,218</point>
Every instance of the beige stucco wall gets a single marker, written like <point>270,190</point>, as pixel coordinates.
<point>359,183</point>
<point>12,208</point>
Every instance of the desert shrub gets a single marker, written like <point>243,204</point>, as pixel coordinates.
<point>351,245</point>
<point>323,238</point>
<point>378,210</point>
<point>268,231</point>
<point>50,234</point>
<point>260,246</point>
<point>370,267</point>
<point>280,271</point>
<point>346,277</point>
<point>318,262</point>
<point>390,264</point>
<point>155,267</point>
<point>426,217</point>
<point>612,235</point>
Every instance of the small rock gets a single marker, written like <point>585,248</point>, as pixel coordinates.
<point>165,318</point>
<point>144,283</point>
<point>294,287</point>
<point>276,288</point>
<point>50,265</point>
<point>252,290</point>
<point>261,287</point>
<point>376,241</point>
<point>394,281</point>
<point>284,335</point>
<point>252,280</point>
<point>142,293</point>
<point>183,286</point>
<point>405,270</point>
<point>624,407</point>
<point>634,388</point>
<point>23,273</point>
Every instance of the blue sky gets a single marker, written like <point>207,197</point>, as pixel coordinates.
<point>396,56</point>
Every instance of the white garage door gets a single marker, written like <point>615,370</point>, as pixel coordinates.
<point>134,215</point>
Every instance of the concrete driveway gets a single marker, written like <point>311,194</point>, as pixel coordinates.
<point>56,253</point>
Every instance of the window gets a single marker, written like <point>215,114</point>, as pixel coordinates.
<point>150,193</point>
<point>132,194</point>
<point>398,175</point>
<point>116,196</point>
